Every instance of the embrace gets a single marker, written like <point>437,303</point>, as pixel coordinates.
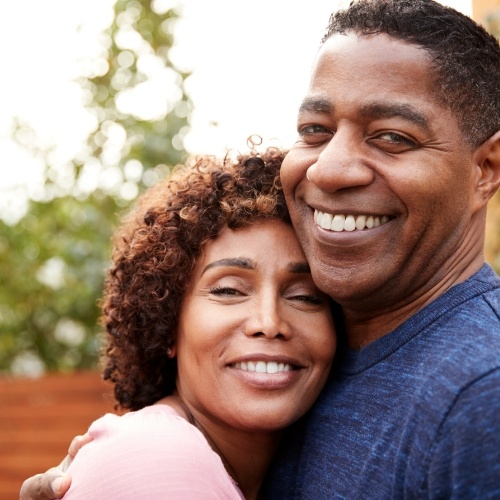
<point>363,244</point>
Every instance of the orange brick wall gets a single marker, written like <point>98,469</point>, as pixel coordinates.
<point>38,419</point>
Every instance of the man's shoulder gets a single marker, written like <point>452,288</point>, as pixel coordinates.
<point>473,305</point>
<point>486,281</point>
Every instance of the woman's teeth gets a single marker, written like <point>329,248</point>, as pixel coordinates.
<point>263,366</point>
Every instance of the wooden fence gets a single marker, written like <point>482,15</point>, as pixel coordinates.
<point>38,419</point>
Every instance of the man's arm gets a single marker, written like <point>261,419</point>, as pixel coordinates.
<point>53,483</point>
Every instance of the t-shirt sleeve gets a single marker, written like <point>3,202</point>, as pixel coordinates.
<point>465,461</point>
<point>148,454</point>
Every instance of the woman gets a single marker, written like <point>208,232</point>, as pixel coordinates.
<point>217,338</point>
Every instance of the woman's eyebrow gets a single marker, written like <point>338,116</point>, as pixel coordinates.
<point>243,263</point>
<point>299,267</point>
<point>240,262</point>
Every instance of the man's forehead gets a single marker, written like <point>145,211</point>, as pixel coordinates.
<point>374,46</point>
<point>382,79</point>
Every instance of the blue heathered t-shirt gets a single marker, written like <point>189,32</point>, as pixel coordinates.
<point>416,414</point>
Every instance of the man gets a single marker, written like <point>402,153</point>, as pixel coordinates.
<point>387,185</point>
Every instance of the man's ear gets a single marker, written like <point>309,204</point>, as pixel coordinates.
<point>487,162</point>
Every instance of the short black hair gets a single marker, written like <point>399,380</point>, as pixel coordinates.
<point>465,57</point>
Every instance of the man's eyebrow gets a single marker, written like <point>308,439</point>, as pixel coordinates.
<point>374,110</point>
<point>392,110</point>
<point>316,105</point>
<point>233,262</point>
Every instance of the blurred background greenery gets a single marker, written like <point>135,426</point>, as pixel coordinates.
<point>52,260</point>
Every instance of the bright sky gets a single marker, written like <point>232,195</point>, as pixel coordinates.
<point>250,63</point>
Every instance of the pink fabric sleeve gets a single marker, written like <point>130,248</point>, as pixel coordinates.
<point>152,453</point>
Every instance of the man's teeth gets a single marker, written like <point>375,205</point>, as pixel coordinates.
<point>341,222</point>
<point>263,367</point>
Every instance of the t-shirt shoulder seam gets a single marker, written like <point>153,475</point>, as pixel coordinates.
<point>491,306</point>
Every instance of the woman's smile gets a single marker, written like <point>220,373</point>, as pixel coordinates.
<point>269,367</point>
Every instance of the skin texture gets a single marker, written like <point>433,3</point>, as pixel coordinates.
<point>383,146</point>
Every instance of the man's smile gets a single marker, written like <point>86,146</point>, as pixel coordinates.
<point>342,222</point>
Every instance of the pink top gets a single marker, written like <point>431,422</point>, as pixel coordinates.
<point>152,453</point>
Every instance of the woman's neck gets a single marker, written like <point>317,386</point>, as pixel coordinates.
<point>246,455</point>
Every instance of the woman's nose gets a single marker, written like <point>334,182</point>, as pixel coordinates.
<point>267,321</point>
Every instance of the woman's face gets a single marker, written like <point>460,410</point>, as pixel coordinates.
<point>256,338</point>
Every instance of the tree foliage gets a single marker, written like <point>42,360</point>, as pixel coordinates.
<point>52,261</point>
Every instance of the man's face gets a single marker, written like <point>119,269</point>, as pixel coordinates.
<point>380,180</point>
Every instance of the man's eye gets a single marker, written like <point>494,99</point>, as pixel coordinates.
<point>395,138</point>
<point>313,130</point>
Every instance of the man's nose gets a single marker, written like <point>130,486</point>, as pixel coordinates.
<point>341,164</point>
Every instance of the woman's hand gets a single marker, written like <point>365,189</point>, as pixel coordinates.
<point>53,483</point>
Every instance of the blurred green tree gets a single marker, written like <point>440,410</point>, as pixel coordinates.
<point>52,260</point>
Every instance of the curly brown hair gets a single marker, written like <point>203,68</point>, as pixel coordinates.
<point>155,251</point>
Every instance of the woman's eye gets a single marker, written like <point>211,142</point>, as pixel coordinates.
<point>310,299</point>
<point>224,290</point>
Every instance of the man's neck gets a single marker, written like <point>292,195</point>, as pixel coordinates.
<point>363,325</point>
